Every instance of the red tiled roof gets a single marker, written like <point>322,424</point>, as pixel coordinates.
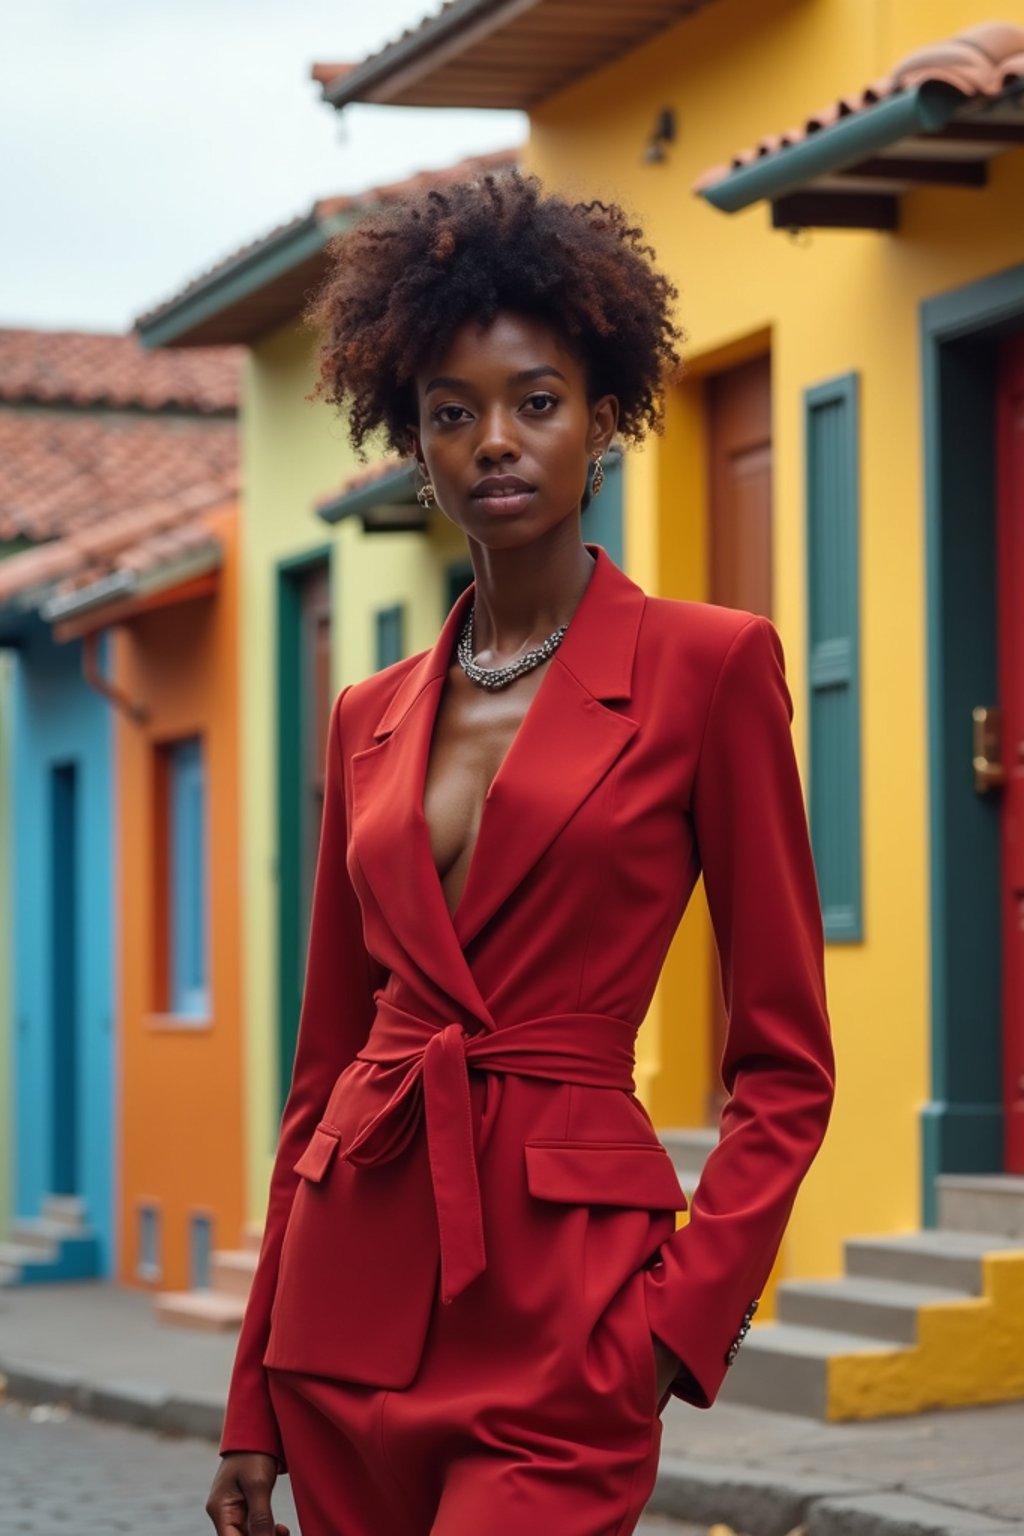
<point>81,368</point>
<point>321,214</point>
<point>64,472</point>
<point>160,534</point>
<point>980,62</point>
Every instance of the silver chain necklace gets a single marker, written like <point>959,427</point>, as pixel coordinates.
<point>500,677</point>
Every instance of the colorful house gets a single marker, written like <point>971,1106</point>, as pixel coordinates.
<point>843,453</point>
<point>117,513</point>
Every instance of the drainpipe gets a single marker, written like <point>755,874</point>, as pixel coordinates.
<point>94,677</point>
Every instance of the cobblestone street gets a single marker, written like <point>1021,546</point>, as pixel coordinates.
<point>64,1473</point>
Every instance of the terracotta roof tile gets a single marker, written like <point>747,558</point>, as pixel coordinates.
<point>81,368</point>
<point>156,535</point>
<point>61,472</point>
<point>981,61</point>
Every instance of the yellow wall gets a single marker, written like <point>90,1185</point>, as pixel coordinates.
<point>827,302</point>
<point>295,455</point>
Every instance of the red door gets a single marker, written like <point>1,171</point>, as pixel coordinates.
<point>1010,550</point>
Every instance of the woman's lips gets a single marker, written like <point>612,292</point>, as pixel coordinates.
<point>504,503</point>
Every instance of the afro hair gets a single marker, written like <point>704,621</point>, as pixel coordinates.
<point>404,279</point>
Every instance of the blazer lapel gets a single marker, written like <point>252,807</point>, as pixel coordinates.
<point>567,742</point>
<point>390,835</point>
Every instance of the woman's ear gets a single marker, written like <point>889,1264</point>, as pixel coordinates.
<point>604,419</point>
<point>414,448</point>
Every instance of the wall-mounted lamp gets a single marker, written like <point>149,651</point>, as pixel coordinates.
<point>662,134</point>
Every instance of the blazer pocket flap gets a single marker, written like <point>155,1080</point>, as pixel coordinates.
<point>603,1173</point>
<point>318,1156</point>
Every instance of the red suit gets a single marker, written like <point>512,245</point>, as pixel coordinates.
<point>471,1233</point>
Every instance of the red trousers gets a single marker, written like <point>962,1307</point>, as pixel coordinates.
<point>557,1438</point>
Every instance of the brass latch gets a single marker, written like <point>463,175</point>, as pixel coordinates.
<point>989,772</point>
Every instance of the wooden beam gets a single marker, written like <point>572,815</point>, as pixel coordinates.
<point>920,171</point>
<point>836,210</point>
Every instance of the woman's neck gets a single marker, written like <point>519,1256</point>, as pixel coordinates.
<point>523,594</point>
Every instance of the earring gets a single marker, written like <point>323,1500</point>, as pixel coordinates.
<point>426,495</point>
<point>597,479</point>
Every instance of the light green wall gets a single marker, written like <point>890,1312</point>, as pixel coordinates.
<point>6,948</point>
<point>296,454</point>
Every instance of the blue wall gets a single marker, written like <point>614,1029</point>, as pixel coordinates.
<point>58,720</point>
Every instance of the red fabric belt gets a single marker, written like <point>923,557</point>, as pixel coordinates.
<point>591,1049</point>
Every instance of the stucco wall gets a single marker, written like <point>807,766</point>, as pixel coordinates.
<point>182,1081</point>
<point>59,720</point>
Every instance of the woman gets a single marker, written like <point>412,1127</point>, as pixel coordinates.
<point>472,1303</point>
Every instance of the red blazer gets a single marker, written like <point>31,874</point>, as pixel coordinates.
<point>658,747</point>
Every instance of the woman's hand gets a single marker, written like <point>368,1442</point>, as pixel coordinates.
<point>239,1500</point>
<point>667,1366</point>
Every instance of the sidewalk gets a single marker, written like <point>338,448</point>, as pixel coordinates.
<point>959,1473</point>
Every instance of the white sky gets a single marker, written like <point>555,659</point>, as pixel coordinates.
<point>143,140</point>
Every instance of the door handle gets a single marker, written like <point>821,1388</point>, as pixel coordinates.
<point>989,772</point>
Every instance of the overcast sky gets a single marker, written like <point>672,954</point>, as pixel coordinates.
<point>143,140</point>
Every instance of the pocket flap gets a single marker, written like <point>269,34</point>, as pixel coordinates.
<point>316,1159</point>
<point>603,1173</point>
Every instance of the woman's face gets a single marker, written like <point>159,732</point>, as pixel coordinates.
<point>506,429</point>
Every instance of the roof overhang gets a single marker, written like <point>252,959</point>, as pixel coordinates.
<point>501,53</point>
<point>263,287</point>
<point>384,500</point>
<point>849,166</point>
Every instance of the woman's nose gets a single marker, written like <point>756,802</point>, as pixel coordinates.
<point>497,437</point>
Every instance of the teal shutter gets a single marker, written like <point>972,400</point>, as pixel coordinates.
<point>833,605</point>
<point>390,635</point>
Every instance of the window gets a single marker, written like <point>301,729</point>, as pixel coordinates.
<point>831,418</point>
<point>390,635</point>
<point>148,1266</point>
<point>200,1248</point>
<point>182,903</point>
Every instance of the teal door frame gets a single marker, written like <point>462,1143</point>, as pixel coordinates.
<point>962,1125</point>
<point>291,735</point>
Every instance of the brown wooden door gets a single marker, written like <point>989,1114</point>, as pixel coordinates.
<point>740,540</point>
<point>1010,563</point>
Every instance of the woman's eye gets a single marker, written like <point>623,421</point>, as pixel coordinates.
<point>541,404</point>
<point>449,415</point>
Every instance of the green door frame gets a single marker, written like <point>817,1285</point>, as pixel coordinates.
<point>962,1126</point>
<point>290,736</point>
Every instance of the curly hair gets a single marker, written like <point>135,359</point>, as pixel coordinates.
<point>404,279</point>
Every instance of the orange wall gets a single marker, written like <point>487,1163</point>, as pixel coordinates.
<point>181,1085</point>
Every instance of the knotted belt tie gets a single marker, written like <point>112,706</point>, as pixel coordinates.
<point>590,1049</point>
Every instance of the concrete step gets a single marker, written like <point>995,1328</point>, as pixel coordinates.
<point>10,1274</point>
<point>205,1310</point>
<point>44,1233</point>
<point>936,1257</point>
<point>879,1309</point>
<point>981,1203</point>
<point>69,1210</point>
<point>784,1367</point>
<point>22,1256</point>
<point>689,1150</point>
<point>231,1271</point>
